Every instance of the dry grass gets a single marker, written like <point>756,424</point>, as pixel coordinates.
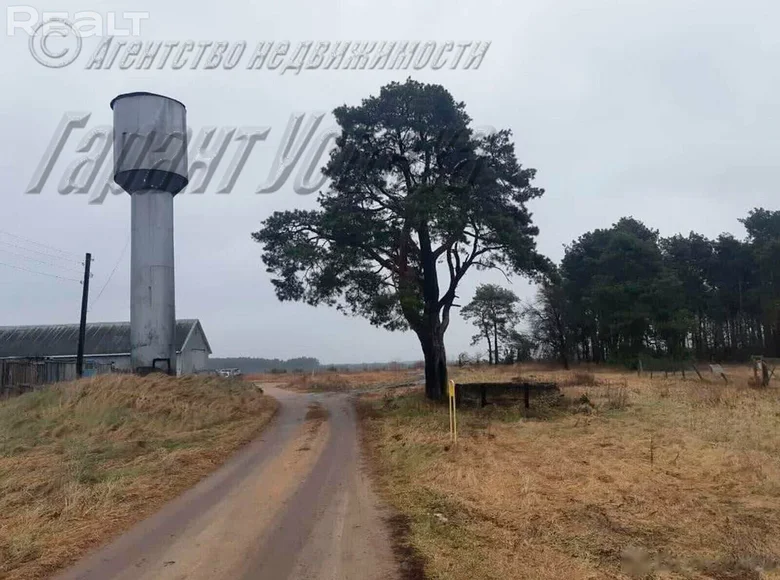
<point>82,461</point>
<point>623,478</point>
<point>326,381</point>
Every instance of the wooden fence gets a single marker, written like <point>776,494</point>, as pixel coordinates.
<point>21,376</point>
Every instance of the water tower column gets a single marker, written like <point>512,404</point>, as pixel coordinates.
<point>152,284</point>
<point>150,160</point>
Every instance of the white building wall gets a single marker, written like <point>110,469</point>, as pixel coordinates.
<point>118,362</point>
<point>192,361</point>
<point>121,363</point>
<point>194,357</point>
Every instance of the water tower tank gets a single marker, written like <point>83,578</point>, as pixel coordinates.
<point>150,162</point>
<point>150,143</point>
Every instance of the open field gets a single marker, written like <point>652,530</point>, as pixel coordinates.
<point>82,461</point>
<point>622,477</point>
<point>326,381</point>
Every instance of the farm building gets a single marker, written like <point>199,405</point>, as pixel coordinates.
<point>107,343</point>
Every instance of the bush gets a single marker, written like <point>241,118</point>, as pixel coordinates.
<point>617,397</point>
<point>581,379</point>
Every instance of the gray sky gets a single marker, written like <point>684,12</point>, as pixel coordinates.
<point>664,110</point>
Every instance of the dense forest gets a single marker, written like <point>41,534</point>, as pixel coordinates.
<point>625,292</point>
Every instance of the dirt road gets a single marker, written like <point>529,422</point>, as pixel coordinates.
<point>293,505</point>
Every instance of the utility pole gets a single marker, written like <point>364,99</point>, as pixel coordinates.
<point>83,325</point>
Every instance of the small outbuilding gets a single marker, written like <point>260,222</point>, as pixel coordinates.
<point>107,343</point>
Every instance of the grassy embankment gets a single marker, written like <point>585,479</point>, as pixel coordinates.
<point>622,477</point>
<point>82,461</point>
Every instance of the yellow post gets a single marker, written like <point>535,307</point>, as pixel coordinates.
<point>449,410</point>
<point>453,411</point>
<point>449,407</point>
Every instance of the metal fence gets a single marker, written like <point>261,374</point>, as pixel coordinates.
<point>21,376</point>
<point>652,365</point>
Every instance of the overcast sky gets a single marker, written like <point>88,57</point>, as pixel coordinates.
<point>664,110</point>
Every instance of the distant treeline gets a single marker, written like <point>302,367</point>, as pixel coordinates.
<point>301,364</point>
<point>626,292</point>
<point>375,366</point>
<point>265,365</point>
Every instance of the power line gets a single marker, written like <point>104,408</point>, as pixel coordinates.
<point>111,275</point>
<point>64,267</point>
<point>26,249</point>
<point>37,272</point>
<point>39,244</point>
<point>40,252</point>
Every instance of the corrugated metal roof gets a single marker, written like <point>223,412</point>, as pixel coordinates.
<point>62,339</point>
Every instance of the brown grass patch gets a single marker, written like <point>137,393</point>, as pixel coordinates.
<point>339,382</point>
<point>82,461</point>
<point>626,477</point>
<point>317,384</point>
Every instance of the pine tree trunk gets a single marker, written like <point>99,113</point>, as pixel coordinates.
<point>435,364</point>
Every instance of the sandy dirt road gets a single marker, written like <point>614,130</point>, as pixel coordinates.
<point>293,505</point>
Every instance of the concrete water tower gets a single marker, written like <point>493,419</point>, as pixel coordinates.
<point>150,163</point>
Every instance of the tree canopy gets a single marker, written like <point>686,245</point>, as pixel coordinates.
<point>494,311</point>
<point>416,200</point>
<point>625,292</point>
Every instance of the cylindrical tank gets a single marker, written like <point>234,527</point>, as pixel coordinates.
<point>150,159</point>
<point>150,143</point>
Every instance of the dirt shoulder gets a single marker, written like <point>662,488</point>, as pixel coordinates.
<point>620,478</point>
<point>83,461</point>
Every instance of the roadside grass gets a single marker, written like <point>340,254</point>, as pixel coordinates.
<point>82,461</point>
<point>327,381</point>
<point>621,477</point>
